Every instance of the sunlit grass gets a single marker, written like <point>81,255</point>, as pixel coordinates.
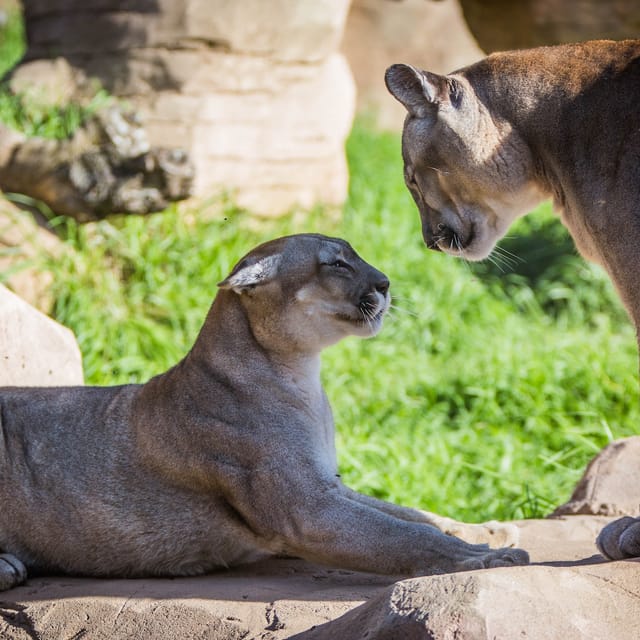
<point>32,117</point>
<point>30,113</point>
<point>12,40</point>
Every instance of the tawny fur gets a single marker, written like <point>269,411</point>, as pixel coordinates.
<point>485,144</point>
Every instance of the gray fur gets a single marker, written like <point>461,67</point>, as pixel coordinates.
<point>225,458</point>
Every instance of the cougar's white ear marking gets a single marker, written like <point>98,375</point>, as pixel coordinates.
<point>250,275</point>
<point>419,91</point>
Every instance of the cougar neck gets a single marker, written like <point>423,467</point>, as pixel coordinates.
<point>227,343</point>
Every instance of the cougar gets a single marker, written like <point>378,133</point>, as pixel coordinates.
<point>226,458</point>
<point>487,143</point>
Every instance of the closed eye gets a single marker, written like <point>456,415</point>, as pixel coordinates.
<point>341,265</point>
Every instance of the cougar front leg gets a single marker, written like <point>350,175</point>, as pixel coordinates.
<point>332,528</point>
<point>12,571</point>
<point>495,534</point>
<point>620,539</point>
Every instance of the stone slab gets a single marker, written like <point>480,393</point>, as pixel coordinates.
<point>280,598</point>
<point>34,349</point>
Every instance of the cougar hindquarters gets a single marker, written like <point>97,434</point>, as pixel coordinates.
<point>483,145</point>
<point>225,458</point>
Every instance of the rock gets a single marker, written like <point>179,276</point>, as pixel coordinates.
<point>107,167</point>
<point>269,600</point>
<point>47,82</point>
<point>35,350</point>
<point>24,248</point>
<point>567,593</point>
<point>542,602</point>
<point>429,35</point>
<point>610,484</point>
<point>279,598</point>
<point>257,93</point>
<point>305,32</point>
<point>500,24</point>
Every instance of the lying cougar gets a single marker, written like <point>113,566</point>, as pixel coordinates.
<point>225,458</point>
<point>487,143</point>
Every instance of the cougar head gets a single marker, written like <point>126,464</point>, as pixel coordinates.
<point>468,170</point>
<point>307,291</point>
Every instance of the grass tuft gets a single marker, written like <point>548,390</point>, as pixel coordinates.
<point>27,113</point>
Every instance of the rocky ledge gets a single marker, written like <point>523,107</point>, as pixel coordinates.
<point>567,592</point>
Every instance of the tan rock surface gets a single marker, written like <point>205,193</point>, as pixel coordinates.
<point>257,93</point>
<point>426,34</point>
<point>282,597</point>
<point>609,485</point>
<point>502,24</point>
<point>23,245</point>
<point>34,349</point>
<point>541,602</point>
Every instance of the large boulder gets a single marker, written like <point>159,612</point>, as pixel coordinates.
<point>429,35</point>
<point>610,485</point>
<point>571,593</point>
<point>256,92</point>
<point>541,602</point>
<point>25,248</point>
<point>503,24</point>
<point>34,349</point>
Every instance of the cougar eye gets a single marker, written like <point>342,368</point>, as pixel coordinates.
<point>341,264</point>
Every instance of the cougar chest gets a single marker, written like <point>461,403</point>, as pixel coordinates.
<point>309,403</point>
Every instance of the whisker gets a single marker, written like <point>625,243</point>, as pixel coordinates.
<point>501,257</point>
<point>401,310</point>
<point>404,298</point>
<point>495,262</point>
<point>511,258</point>
<point>462,254</point>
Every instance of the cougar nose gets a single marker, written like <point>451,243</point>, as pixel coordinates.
<point>382,286</point>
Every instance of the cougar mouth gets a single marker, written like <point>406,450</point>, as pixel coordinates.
<point>453,242</point>
<point>367,314</point>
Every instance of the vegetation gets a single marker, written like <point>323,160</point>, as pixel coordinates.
<point>27,113</point>
<point>12,41</point>
<point>35,118</point>
<point>488,390</point>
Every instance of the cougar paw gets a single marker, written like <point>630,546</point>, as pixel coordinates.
<point>620,539</point>
<point>495,558</point>
<point>12,571</point>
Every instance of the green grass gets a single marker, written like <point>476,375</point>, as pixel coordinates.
<point>12,41</point>
<point>29,113</point>
<point>32,117</point>
<point>483,397</point>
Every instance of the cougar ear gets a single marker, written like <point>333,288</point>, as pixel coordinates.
<point>419,91</point>
<point>251,272</point>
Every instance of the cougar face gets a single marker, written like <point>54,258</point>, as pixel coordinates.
<point>468,171</point>
<point>308,291</point>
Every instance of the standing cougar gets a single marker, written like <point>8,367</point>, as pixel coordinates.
<point>485,144</point>
<point>225,458</point>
